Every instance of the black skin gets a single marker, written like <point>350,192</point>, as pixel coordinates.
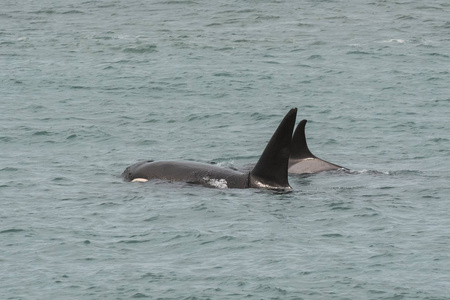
<point>270,172</point>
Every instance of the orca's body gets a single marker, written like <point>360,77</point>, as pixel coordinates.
<point>270,172</point>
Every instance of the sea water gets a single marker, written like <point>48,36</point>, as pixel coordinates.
<point>90,87</point>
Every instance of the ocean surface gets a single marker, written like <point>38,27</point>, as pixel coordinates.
<point>89,87</point>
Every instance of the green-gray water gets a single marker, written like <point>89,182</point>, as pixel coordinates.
<point>90,87</point>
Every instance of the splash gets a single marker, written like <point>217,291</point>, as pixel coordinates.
<point>369,172</point>
<point>217,183</point>
<point>399,41</point>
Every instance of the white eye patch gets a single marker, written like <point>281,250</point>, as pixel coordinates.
<point>139,180</point>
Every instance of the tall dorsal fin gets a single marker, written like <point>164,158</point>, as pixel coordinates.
<point>299,147</point>
<point>271,170</point>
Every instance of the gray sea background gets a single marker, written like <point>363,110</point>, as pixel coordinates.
<point>90,87</point>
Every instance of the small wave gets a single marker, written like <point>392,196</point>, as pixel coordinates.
<point>141,49</point>
<point>399,41</point>
<point>12,230</point>
<point>364,171</point>
<point>153,276</point>
<point>59,179</point>
<point>152,218</point>
<point>225,164</point>
<point>42,132</point>
<point>222,74</point>
<point>404,172</point>
<point>79,87</point>
<point>267,17</point>
<point>180,2</point>
<point>358,53</point>
<point>5,139</point>
<point>437,55</point>
<point>259,116</point>
<point>46,11</point>
<point>377,172</point>
<point>9,169</point>
<point>305,24</point>
<point>132,241</point>
<point>315,57</point>
<point>140,295</point>
<point>332,235</point>
<point>405,17</point>
<point>73,11</point>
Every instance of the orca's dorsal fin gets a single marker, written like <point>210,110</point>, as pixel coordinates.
<point>299,147</point>
<point>271,170</point>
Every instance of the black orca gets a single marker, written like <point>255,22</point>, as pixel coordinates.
<point>301,160</point>
<point>270,172</point>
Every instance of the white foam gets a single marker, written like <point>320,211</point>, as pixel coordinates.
<point>218,183</point>
<point>400,41</point>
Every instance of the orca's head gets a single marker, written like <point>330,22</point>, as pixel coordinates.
<point>127,174</point>
<point>133,172</point>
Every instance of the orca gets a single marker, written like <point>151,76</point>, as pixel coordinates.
<point>301,160</point>
<point>270,172</point>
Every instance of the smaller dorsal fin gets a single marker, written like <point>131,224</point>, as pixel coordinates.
<point>271,170</point>
<point>299,147</point>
